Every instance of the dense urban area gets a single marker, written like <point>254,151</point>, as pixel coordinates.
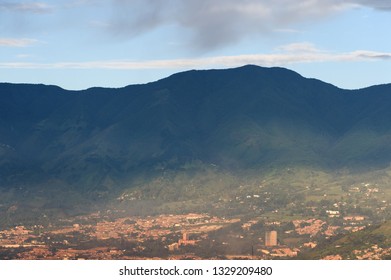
<point>271,225</point>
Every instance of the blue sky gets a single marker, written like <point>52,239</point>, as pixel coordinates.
<point>78,44</point>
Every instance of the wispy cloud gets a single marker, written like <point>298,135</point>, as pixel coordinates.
<point>11,42</point>
<point>305,47</point>
<point>23,56</point>
<point>372,55</point>
<point>21,6</point>
<point>289,54</point>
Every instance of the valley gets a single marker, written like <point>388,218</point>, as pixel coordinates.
<point>108,173</point>
<point>232,224</point>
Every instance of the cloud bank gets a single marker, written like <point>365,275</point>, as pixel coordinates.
<point>212,24</point>
<point>200,25</point>
<point>286,55</point>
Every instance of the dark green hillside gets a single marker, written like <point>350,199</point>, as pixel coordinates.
<point>245,120</point>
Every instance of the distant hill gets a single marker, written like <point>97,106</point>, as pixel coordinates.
<point>234,120</point>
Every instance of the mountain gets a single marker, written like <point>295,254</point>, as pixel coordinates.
<point>245,119</point>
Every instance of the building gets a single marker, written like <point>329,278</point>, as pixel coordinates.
<point>271,238</point>
<point>173,247</point>
<point>333,213</point>
<point>185,240</point>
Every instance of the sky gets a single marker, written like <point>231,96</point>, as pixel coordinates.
<point>77,44</point>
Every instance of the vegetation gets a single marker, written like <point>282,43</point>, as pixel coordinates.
<point>245,142</point>
<point>377,235</point>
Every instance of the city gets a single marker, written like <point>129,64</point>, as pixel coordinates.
<point>112,234</point>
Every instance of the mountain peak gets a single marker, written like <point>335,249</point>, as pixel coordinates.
<point>243,74</point>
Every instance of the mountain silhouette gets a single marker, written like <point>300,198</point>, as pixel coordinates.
<point>237,119</point>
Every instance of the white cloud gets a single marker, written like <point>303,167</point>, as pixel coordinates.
<point>299,47</point>
<point>289,54</point>
<point>10,42</point>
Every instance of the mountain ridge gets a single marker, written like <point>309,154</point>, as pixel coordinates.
<point>240,118</point>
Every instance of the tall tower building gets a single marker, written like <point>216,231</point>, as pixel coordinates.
<point>271,238</point>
